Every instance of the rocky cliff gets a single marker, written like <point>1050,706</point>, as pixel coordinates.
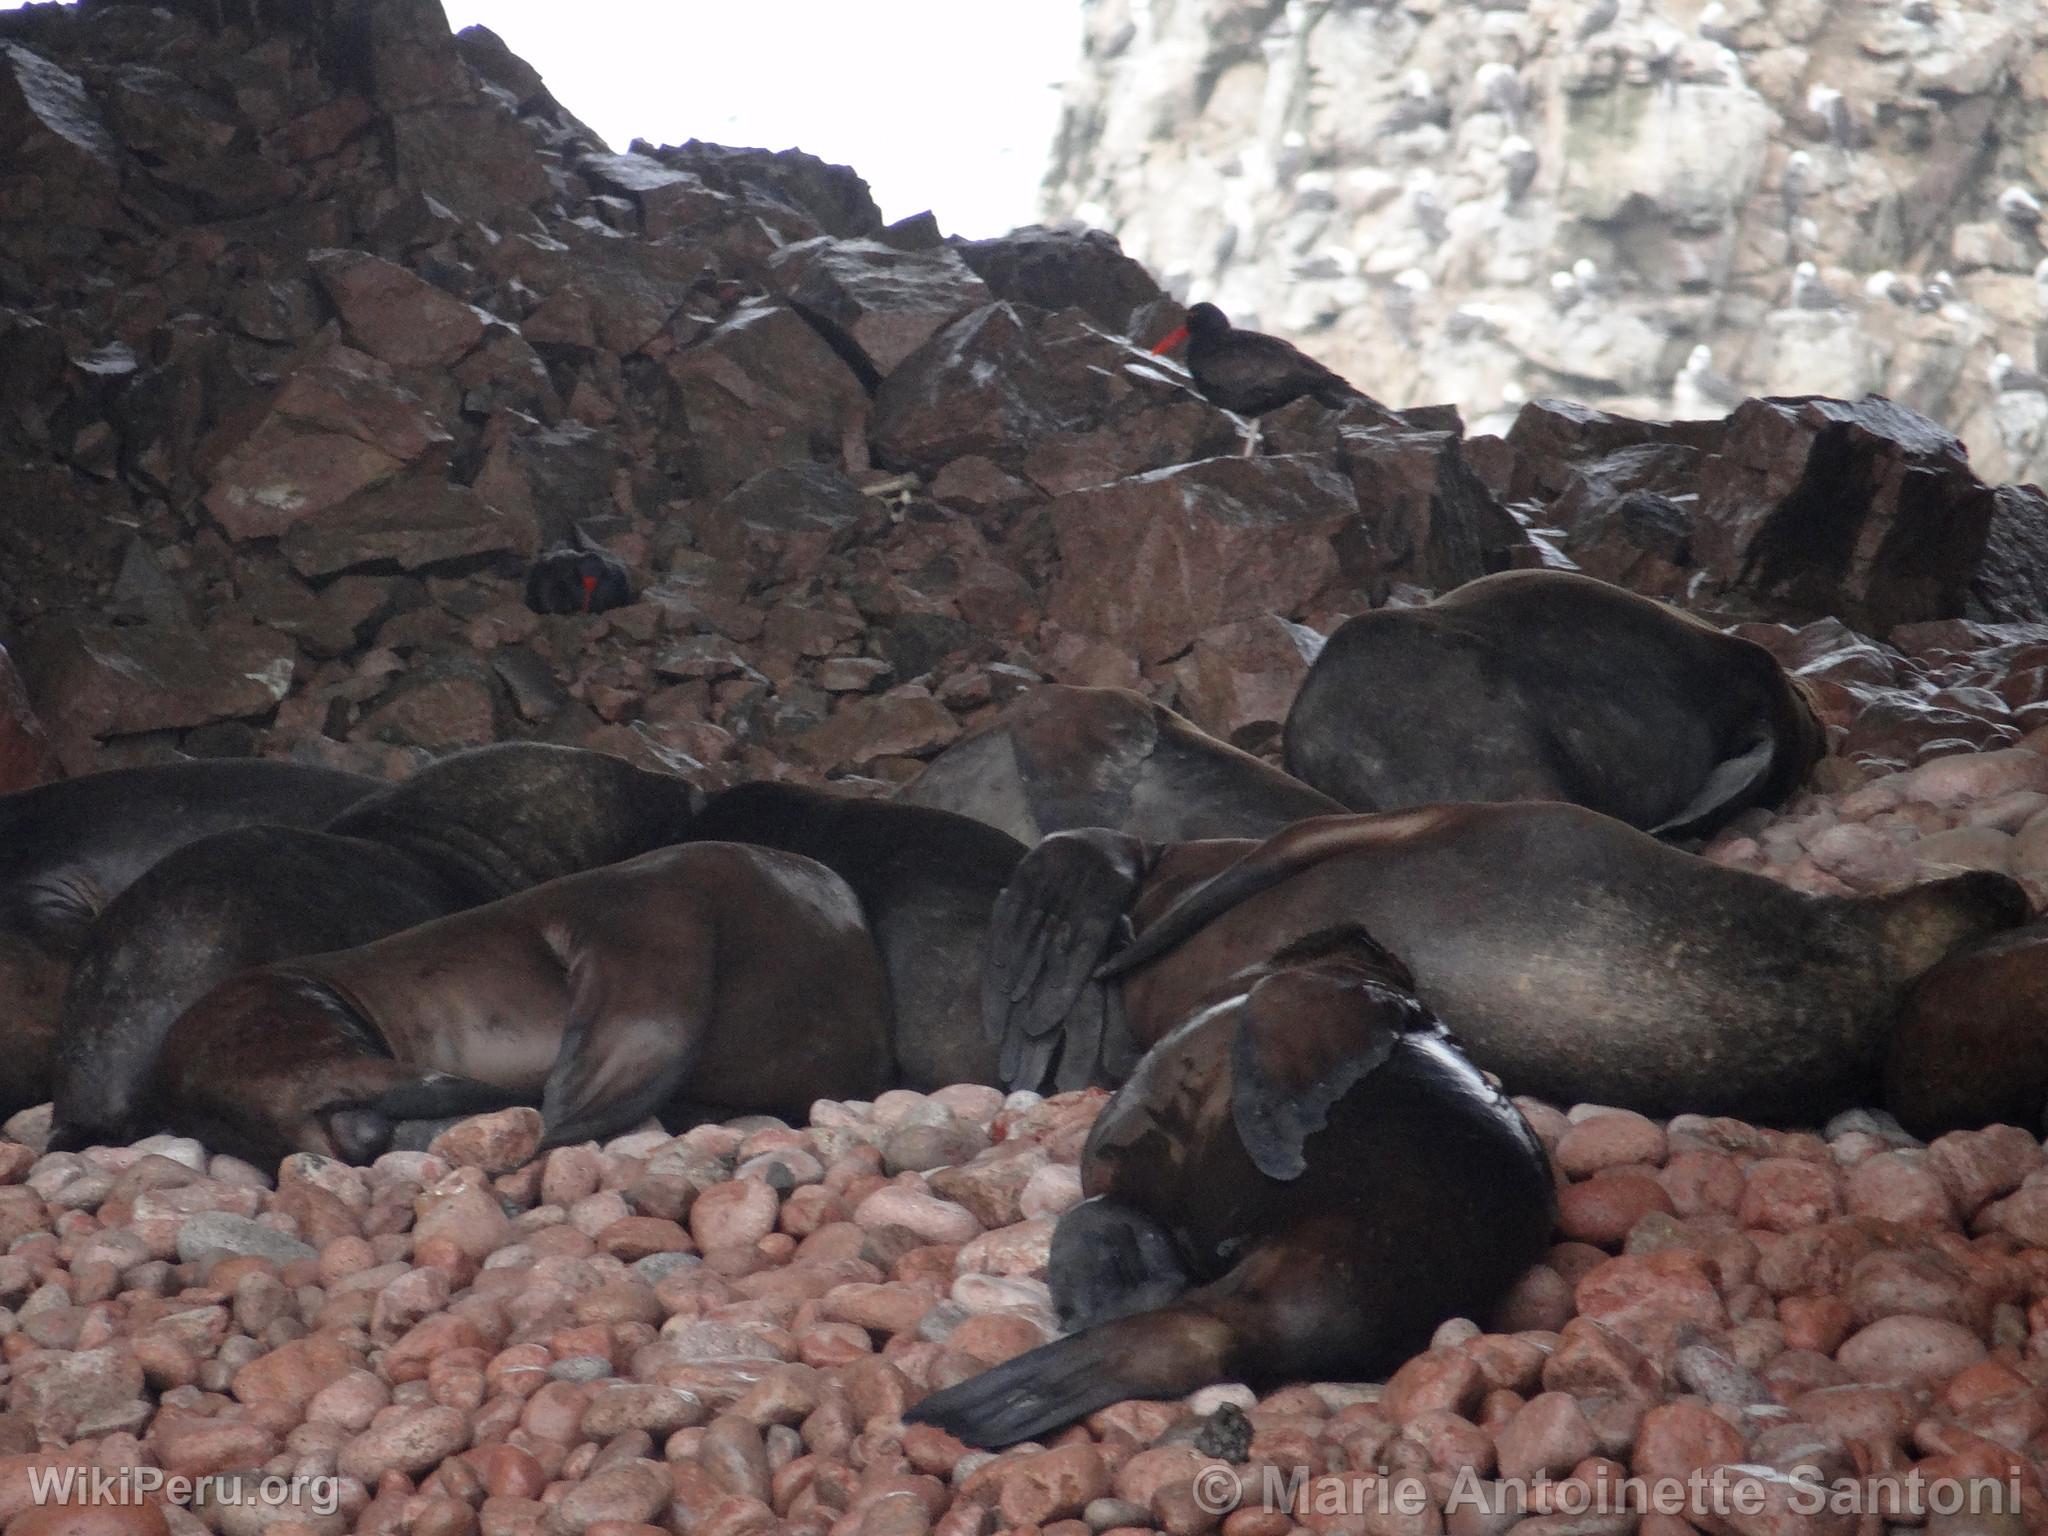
<point>1491,202</point>
<point>317,325</point>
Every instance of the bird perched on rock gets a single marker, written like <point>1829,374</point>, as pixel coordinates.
<point>1248,372</point>
<point>1698,391</point>
<point>1564,290</point>
<point>1808,291</point>
<point>1714,25</point>
<point>1939,290</point>
<point>1888,285</point>
<point>1501,89</point>
<point>578,578</point>
<point>1419,106</point>
<point>1518,160</point>
<point>2010,379</point>
<point>2021,209</point>
<point>1831,109</point>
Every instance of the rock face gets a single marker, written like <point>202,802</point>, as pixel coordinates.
<point>1560,197</point>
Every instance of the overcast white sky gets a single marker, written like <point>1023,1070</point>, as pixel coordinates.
<point>942,104</point>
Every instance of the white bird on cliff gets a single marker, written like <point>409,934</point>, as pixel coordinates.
<point>2009,379</point>
<point>1519,160</point>
<point>2020,208</point>
<point>1713,25</point>
<point>1564,290</point>
<point>1698,391</point>
<point>1808,291</point>
<point>1888,285</point>
<point>1501,89</point>
<point>1832,109</point>
<point>1940,290</point>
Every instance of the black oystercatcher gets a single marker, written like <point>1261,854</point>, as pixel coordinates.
<point>580,579</point>
<point>1248,372</point>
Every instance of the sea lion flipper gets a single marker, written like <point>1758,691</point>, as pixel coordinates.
<point>1050,928</point>
<point>1303,1041</point>
<point>638,1010</point>
<point>1156,1354</point>
<point>1727,784</point>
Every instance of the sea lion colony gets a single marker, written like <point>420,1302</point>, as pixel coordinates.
<point>535,926</point>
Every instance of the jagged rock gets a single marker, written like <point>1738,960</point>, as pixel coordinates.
<point>1239,680</point>
<point>782,522</point>
<point>91,681</point>
<point>2011,581</point>
<point>393,315</point>
<point>1865,511</point>
<point>1057,268</point>
<point>552,480</point>
<point>763,389</point>
<point>26,756</point>
<point>336,426</point>
<point>903,722</point>
<point>1432,519</point>
<point>833,197</point>
<point>878,303</point>
<point>416,521</point>
<point>441,714</point>
<point>1154,561</point>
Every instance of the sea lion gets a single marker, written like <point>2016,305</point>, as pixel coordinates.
<point>1062,757</point>
<point>1574,956</point>
<point>1970,1048</point>
<point>1301,1181</point>
<point>927,881</point>
<point>716,976</point>
<point>465,830</point>
<point>1549,685</point>
<point>68,849</point>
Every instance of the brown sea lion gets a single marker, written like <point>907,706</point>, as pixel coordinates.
<point>1061,758</point>
<point>1301,1181</point>
<point>1549,685</point>
<point>1971,1045</point>
<point>465,830</point>
<point>728,978</point>
<point>1575,957</point>
<point>927,881</point>
<point>68,849</point>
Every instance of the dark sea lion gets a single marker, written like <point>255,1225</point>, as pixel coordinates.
<point>466,830</point>
<point>1575,957</point>
<point>726,978</point>
<point>68,849</point>
<point>1300,1182</point>
<point>927,881</point>
<point>1971,1045</point>
<point>1061,758</point>
<point>1549,685</point>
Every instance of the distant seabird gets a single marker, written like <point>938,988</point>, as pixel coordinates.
<point>1588,277</point>
<point>1598,18</point>
<point>1705,387</point>
<point>1429,209</point>
<point>1713,25</point>
<point>1501,89</point>
<point>1940,289</point>
<point>1518,159</point>
<point>2010,380</point>
<point>1808,291</point>
<point>1888,285</point>
<point>1564,290</point>
<point>2020,208</point>
<point>1832,109</point>
<point>1419,106</point>
<point>1798,184</point>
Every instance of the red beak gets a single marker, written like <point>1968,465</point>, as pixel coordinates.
<point>1172,339</point>
<point>589,591</point>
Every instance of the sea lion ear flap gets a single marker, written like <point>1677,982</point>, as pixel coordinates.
<point>1730,780</point>
<point>1304,1040</point>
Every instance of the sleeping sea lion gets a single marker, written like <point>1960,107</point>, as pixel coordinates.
<point>1575,957</point>
<point>716,976</point>
<point>1300,1181</point>
<point>1061,758</point>
<point>1549,685</point>
<point>465,830</point>
<point>68,849</point>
